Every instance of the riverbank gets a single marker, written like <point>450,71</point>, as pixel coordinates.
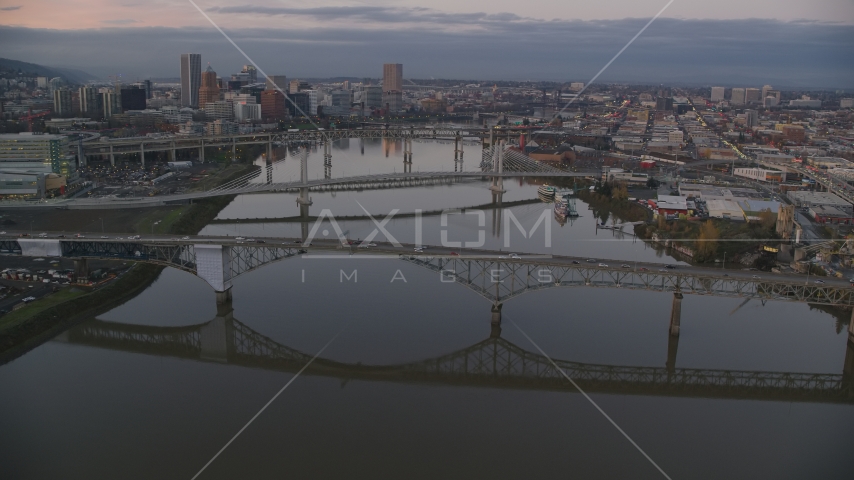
<point>36,323</point>
<point>29,326</point>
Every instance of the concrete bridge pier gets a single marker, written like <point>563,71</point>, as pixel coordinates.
<point>672,347</point>
<point>233,150</point>
<point>269,151</point>
<point>676,314</point>
<point>112,157</point>
<point>498,167</point>
<point>202,151</point>
<point>304,199</point>
<point>223,298</point>
<point>81,268</point>
<point>407,155</point>
<point>142,154</point>
<point>172,153</point>
<point>327,160</point>
<point>216,338</point>
<point>458,151</point>
<point>495,324</point>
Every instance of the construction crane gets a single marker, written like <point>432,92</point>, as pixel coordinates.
<point>32,116</point>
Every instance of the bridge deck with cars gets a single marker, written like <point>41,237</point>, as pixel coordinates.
<point>492,274</point>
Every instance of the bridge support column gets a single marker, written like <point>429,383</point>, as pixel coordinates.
<point>223,298</point>
<point>304,199</point>
<point>407,155</point>
<point>496,320</point>
<point>672,346</point>
<point>112,157</point>
<point>172,152</point>
<point>270,150</point>
<point>498,167</point>
<point>142,154</point>
<point>233,150</point>
<point>676,313</point>
<point>216,338</point>
<point>202,151</point>
<point>327,159</point>
<point>81,268</point>
<point>458,153</point>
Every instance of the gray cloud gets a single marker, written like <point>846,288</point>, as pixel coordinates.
<point>741,52</point>
<point>9,9</point>
<point>393,15</point>
<point>122,21</point>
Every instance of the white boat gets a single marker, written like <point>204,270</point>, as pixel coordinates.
<point>561,209</point>
<point>546,191</point>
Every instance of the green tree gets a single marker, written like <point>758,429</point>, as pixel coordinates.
<point>767,219</point>
<point>620,192</point>
<point>707,241</point>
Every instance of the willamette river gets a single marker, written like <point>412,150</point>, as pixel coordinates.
<point>114,406</point>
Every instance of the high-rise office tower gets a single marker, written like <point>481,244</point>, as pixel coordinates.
<point>90,102</point>
<point>717,94</point>
<point>393,77</point>
<point>752,95</point>
<point>132,98</point>
<point>280,81</point>
<point>252,72</point>
<point>209,89</point>
<point>737,96</point>
<point>191,79</point>
<point>145,85</point>
<point>62,102</point>
<point>765,90</point>
<point>111,103</point>
<point>751,118</point>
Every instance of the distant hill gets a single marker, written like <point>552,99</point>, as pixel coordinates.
<point>70,75</point>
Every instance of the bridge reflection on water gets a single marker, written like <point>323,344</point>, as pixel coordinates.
<point>493,363</point>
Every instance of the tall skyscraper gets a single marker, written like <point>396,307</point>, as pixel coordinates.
<point>751,118</point>
<point>737,96</point>
<point>191,79</point>
<point>272,105</point>
<point>280,81</point>
<point>209,90</point>
<point>132,98</point>
<point>90,102</point>
<point>752,95</point>
<point>765,90</point>
<point>62,102</point>
<point>717,94</point>
<point>393,77</point>
<point>253,74</point>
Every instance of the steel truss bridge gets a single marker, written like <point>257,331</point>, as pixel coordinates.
<point>220,260</point>
<point>499,280</point>
<point>104,147</point>
<point>491,363</point>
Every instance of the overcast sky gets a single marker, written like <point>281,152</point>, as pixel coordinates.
<point>786,43</point>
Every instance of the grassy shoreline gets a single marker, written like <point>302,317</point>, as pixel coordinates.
<point>32,325</point>
<point>21,335</point>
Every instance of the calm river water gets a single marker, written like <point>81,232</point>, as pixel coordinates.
<point>122,407</point>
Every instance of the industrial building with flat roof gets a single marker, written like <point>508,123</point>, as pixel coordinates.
<point>813,199</point>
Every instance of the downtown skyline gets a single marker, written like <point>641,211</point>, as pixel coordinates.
<point>686,45</point>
